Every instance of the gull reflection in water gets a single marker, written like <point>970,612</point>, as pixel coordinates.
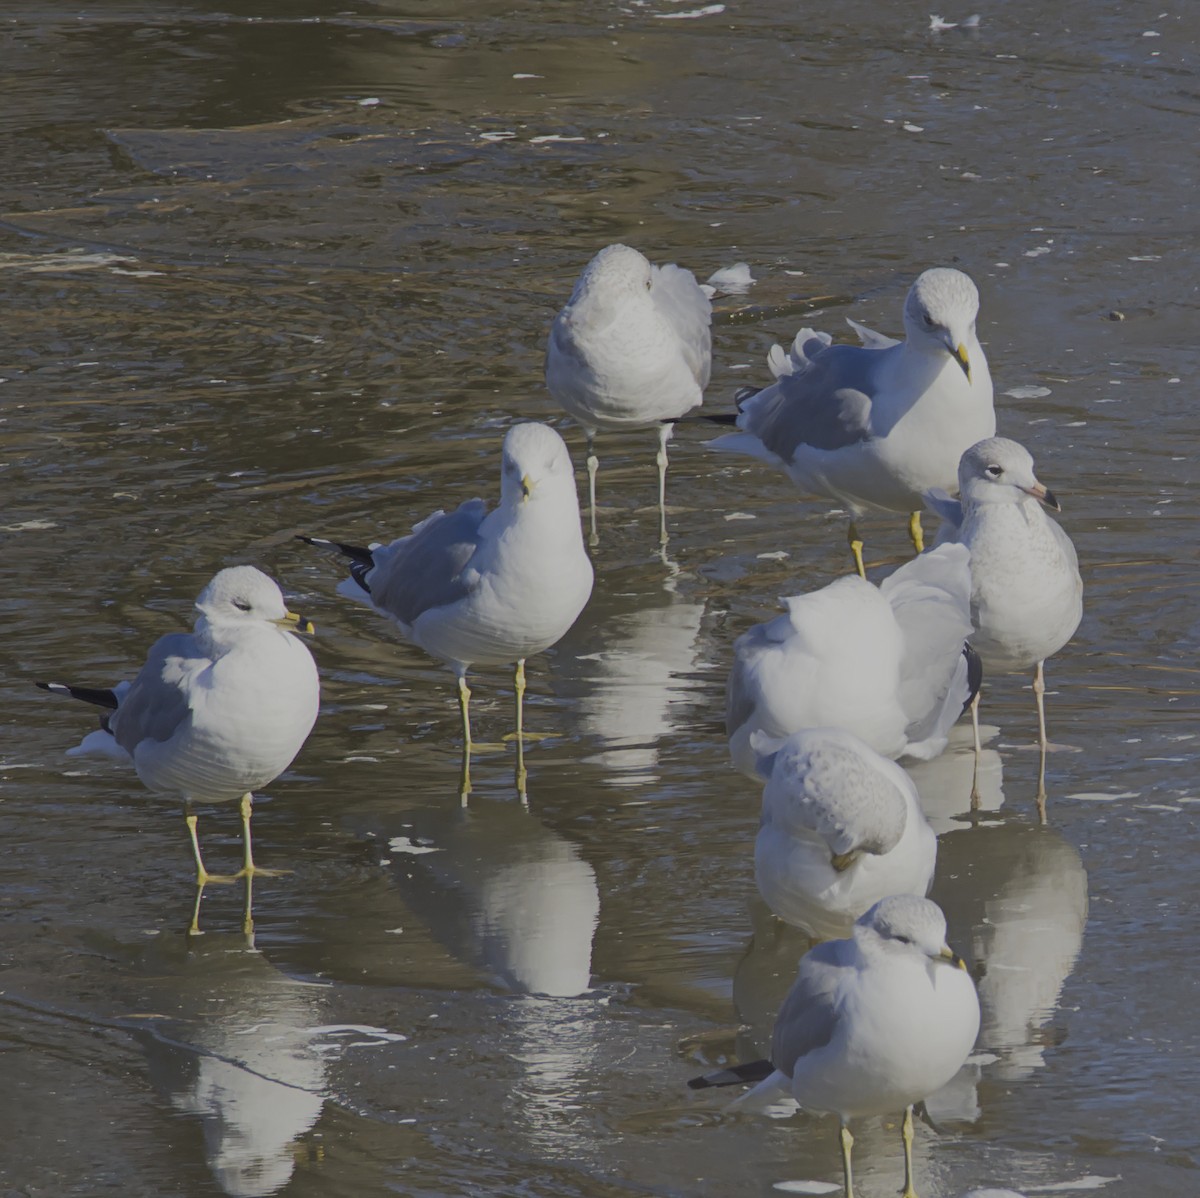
<point>944,783</point>
<point>632,674</point>
<point>240,1053</point>
<point>1015,897</point>
<point>501,891</point>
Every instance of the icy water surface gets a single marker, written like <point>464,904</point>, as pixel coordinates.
<point>275,268</point>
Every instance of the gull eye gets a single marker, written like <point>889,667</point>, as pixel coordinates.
<point>241,605</point>
<point>927,319</point>
<point>903,939</point>
<point>995,471</point>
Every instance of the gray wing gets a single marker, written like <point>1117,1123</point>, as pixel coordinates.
<point>428,568</point>
<point>948,511</point>
<point>157,702</point>
<point>808,1018</point>
<point>825,403</point>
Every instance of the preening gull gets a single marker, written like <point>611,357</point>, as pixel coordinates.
<point>877,426</point>
<point>1026,592</point>
<point>631,348</point>
<point>887,663</point>
<point>872,1024</point>
<point>488,588</point>
<point>217,713</point>
<point>841,828</point>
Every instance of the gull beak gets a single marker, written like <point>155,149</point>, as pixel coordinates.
<point>1043,495</point>
<point>949,955</point>
<point>959,354</point>
<point>527,485</point>
<point>290,622</point>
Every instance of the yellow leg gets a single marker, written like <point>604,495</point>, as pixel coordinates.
<point>856,548</point>
<point>847,1168</point>
<point>906,1132</point>
<point>593,465</point>
<point>519,687</point>
<point>249,869</point>
<point>915,532</point>
<point>976,800</point>
<point>248,912</point>
<point>1039,694</point>
<point>194,926</point>
<point>664,435</point>
<point>464,706</point>
<point>203,877</point>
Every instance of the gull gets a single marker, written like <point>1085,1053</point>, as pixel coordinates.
<point>217,713</point>
<point>888,663</point>
<point>1026,592</point>
<point>632,348</point>
<point>871,1024</point>
<point>841,829</point>
<point>474,587</point>
<point>876,426</point>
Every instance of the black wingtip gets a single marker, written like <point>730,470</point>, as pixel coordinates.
<point>734,1075</point>
<point>974,673</point>
<point>101,697</point>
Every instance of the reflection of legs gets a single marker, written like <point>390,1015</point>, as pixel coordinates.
<point>856,547</point>
<point>249,869</point>
<point>914,531</point>
<point>1039,694</point>
<point>975,799</point>
<point>847,1169</point>
<point>464,706</point>
<point>593,464</point>
<point>664,435</point>
<point>906,1132</point>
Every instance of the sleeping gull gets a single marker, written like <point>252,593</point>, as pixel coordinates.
<point>631,348</point>
<point>871,1024</point>
<point>474,587</point>
<point>1026,592</point>
<point>887,663</point>
<point>841,828</point>
<point>877,426</point>
<point>216,713</point>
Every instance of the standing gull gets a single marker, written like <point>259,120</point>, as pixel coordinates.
<point>216,713</point>
<point>877,426</point>
<point>887,663</point>
<point>871,1024</point>
<point>841,829</point>
<point>488,588</point>
<point>631,348</point>
<point>1026,592</point>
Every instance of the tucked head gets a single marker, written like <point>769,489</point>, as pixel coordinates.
<point>617,268</point>
<point>907,923</point>
<point>940,312</point>
<point>245,595</point>
<point>998,470</point>
<point>533,456</point>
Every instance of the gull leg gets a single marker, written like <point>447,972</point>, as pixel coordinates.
<point>916,533</point>
<point>519,687</point>
<point>194,926</point>
<point>856,548</point>
<point>464,706</point>
<point>906,1132</point>
<point>248,912</point>
<point>976,800</point>
<point>847,1169</point>
<point>203,877</point>
<point>249,869</point>
<point>664,435</point>
<point>593,465</point>
<point>1039,694</point>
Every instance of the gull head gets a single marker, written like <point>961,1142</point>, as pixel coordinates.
<point>905,923</point>
<point>243,596</point>
<point>998,470</point>
<point>535,466</point>
<point>940,311</point>
<point>617,270</point>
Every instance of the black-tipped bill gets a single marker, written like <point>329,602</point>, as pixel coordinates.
<point>959,354</point>
<point>298,624</point>
<point>1045,496</point>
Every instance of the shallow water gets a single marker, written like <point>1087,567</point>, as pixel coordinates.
<point>274,268</point>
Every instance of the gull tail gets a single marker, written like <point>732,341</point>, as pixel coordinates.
<point>362,561</point>
<point>735,1075</point>
<point>101,697</point>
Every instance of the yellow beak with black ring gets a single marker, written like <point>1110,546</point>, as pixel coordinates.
<point>959,354</point>
<point>949,955</point>
<point>290,622</point>
<point>527,485</point>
